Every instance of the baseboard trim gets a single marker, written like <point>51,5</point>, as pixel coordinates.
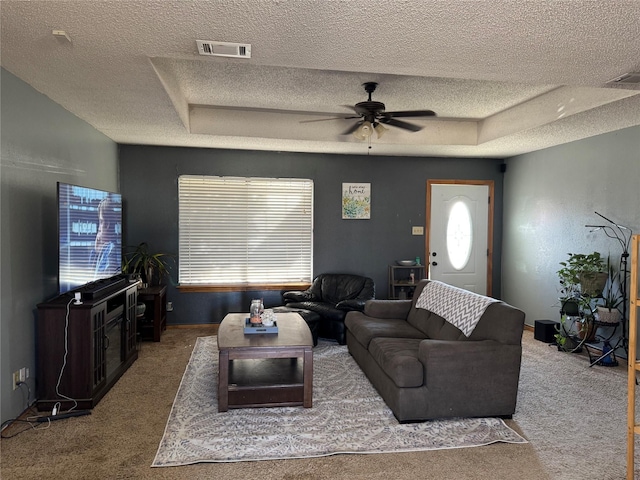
<point>212,326</point>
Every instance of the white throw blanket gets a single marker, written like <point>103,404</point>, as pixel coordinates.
<point>459,307</point>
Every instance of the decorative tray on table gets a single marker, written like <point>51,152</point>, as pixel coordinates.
<point>250,328</point>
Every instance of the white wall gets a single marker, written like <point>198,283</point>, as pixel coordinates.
<point>41,144</point>
<point>549,197</point>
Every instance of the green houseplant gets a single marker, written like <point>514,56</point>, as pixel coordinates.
<point>612,298</point>
<point>582,278</point>
<point>583,274</point>
<point>564,339</point>
<point>152,267</point>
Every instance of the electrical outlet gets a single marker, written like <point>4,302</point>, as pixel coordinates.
<point>16,379</point>
<point>23,374</point>
<point>417,230</point>
<point>169,306</point>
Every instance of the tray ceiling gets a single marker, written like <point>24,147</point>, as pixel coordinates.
<point>504,78</point>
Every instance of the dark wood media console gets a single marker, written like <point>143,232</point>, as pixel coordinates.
<point>100,338</point>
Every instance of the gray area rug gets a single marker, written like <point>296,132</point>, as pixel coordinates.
<point>348,416</point>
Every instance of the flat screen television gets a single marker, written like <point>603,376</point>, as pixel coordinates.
<point>89,236</point>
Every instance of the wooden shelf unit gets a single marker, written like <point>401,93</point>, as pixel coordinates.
<point>154,321</point>
<point>633,428</point>
<point>400,282</point>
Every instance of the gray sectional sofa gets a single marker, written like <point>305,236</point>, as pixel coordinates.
<point>425,367</point>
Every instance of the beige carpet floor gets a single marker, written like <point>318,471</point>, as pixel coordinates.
<point>556,412</point>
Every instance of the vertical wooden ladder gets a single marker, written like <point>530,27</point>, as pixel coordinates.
<point>633,428</point>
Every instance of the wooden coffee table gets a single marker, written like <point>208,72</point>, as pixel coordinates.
<point>265,370</point>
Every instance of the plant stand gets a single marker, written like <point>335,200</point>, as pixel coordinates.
<point>593,360</point>
<point>622,235</point>
<point>573,343</point>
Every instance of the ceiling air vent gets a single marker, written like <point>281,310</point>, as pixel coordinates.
<point>626,79</point>
<point>224,49</point>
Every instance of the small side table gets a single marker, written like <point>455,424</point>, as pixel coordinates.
<point>154,321</point>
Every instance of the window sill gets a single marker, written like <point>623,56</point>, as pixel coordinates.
<point>242,288</point>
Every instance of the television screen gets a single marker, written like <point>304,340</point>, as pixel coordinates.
<point>89,235</point>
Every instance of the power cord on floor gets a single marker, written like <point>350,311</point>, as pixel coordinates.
<point>32,421</point>
<point>36,421</point>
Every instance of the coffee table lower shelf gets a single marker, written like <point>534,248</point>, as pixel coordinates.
<point>273,382</point>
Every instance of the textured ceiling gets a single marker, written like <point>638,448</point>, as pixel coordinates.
<point>504,77</point>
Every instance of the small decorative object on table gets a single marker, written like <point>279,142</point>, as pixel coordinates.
<point>252,328</point>
<point>268,317</point>
<point>254,312</point>
<point>406,263</point>
<point>260,320</point>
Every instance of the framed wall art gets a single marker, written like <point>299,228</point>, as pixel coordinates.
<point>356,201</point>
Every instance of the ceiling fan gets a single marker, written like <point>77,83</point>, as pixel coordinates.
<point>372,116</point>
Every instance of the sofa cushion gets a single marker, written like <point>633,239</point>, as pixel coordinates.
<point>398,358</point>
<point>365,328</point>
<point>433,326</point>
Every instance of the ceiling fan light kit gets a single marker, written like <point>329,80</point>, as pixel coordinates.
<point>380,129</point>
<point>366,129</point>
<point>363,131</point>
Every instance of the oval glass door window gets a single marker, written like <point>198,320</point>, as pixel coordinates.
<point>459,235</point>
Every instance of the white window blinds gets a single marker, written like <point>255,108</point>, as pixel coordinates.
<point>242,231</point>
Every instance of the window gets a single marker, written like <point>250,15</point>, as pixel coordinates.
<point>237,232</point>
<point>459,235</point>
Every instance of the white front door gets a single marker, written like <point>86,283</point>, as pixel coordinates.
<point>459,234</point>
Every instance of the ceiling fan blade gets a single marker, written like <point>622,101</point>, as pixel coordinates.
<point>400,124</point>
<point>325,119</point>
<point>350,107</point>
<point>352,129</point>
<point>412,113</point>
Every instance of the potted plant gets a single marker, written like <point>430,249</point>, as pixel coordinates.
<point>581,278</point>
<point>587,328</point>
<point>564,339</point>
<point>152,267</point>
<point>583,274</point>
<point>612,298</point>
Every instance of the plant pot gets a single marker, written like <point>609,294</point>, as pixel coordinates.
<point>587,331</point>
<point>609,316</point>
<point>592,284</point>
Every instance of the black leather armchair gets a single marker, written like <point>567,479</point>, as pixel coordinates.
<point>332,295</point>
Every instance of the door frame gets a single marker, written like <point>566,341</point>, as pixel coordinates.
<point>488,183</point>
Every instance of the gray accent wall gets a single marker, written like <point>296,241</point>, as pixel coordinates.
<point>549,197</point>
<point>41,144</point>
<point>149,183</point>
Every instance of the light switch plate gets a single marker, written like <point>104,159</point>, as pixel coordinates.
<point>417,230</point>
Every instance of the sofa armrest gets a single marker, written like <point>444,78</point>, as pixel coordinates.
<point>482,363</point>
<point>349,305</point>
<point>397,309</point>
<point>471,378</point>
<point>297,296</point>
